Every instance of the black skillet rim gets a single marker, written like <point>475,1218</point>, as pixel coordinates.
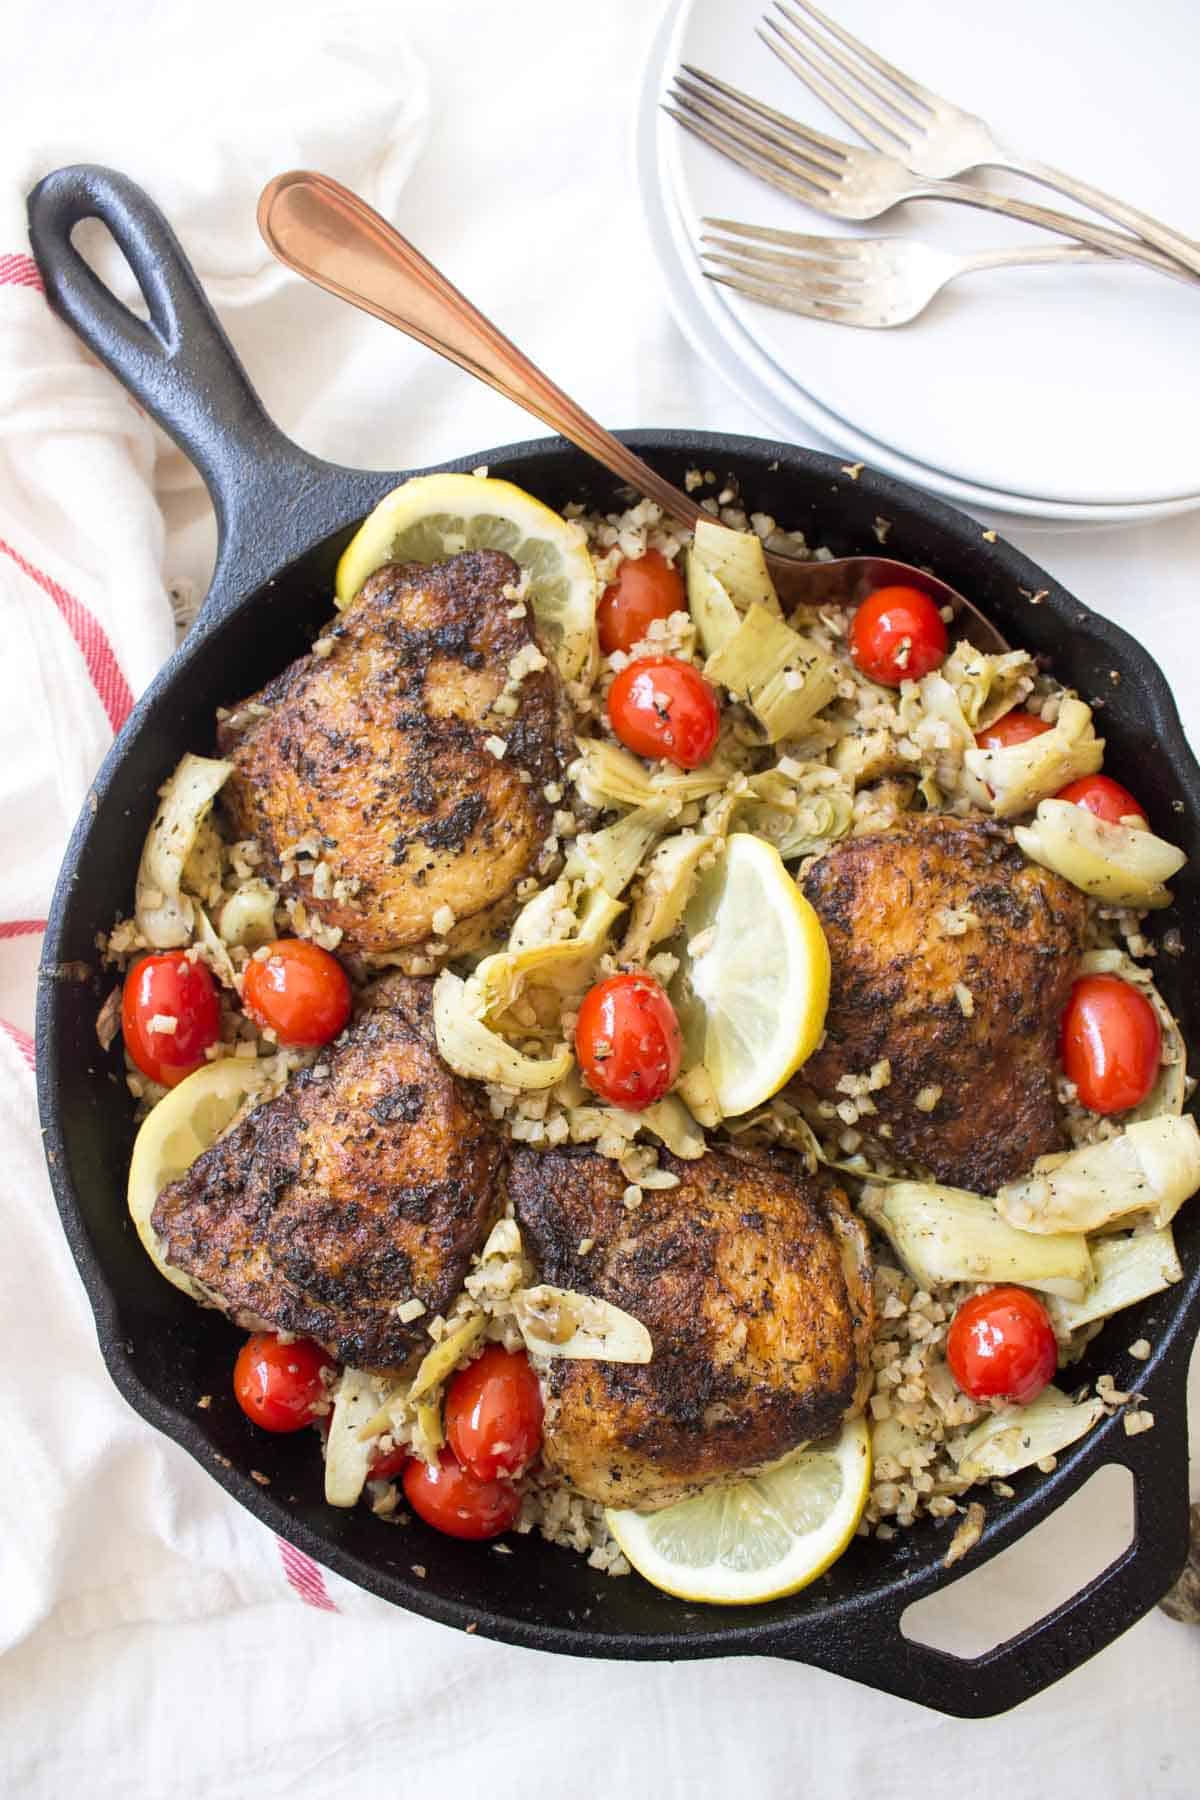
<point>799,1637</point>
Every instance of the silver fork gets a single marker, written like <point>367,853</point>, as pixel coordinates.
<point>871,282</point>
<point>897,115</point>
<point>846,182</point>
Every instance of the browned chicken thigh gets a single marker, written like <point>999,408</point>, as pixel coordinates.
<point>378,757</point>
<point>354,1191</point>
<point>952,959</point>
<point>752,1279</point>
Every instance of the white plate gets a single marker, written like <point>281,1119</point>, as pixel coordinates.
<point>1036,395</point>
<point>790,412</point>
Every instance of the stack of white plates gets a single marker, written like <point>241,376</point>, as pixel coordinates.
<point>1063,393</point>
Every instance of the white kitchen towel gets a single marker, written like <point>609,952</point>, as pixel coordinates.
<point>87,619</point>
<point>140,1664</point>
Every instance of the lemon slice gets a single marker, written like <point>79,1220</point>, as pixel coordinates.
<point>761,1538</point>
<point>753,982</point>
<point>435,516</point>
<point>190,1118</point>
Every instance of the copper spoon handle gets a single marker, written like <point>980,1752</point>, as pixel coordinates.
<point>330,236</point>
<point>327,234</point>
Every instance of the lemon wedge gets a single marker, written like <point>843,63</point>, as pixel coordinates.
<point>760,1538</point>
<point>435,516</point>
<point>753,982</point>
<point>190,1118</point>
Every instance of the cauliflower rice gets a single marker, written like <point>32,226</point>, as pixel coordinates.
<point>878,753</point>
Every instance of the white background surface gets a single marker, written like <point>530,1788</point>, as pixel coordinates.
<point>524,196</point>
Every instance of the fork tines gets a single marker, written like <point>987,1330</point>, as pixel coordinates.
<point>878,102</point>
<point>802,162</point>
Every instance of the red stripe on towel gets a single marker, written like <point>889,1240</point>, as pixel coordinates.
<point>116,696</point>
<point>14,928</point>
<point>23,1042</point>
<point>20,271</point>
<point>305,1577</point>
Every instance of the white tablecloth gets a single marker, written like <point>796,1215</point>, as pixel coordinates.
<point>182,1667</point>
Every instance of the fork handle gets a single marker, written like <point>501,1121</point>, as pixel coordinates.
<point>1031,253</point>
<point>327,234</point>
<point>1182,249</point>
<point>1117,243</point>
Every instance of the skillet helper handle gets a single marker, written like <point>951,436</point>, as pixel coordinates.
<point>334,239</point>
<point>875,1649</point>
<point>179,364</point>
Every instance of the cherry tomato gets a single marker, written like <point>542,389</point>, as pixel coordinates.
<point>1104,797</point>
<point>494,1414</point>
<point>453,1500</point>
<point>646,588</point>
<point>299,990</point>
<point>897,634</point>
<point>1001,1346</point>
<point>628,1041</point>
<point>1015,727</point>
<point>278,1385</point>
<point>660,706</point>
<point>161,988</point>
<point>1111,1043</point>
<point>383,1467</point>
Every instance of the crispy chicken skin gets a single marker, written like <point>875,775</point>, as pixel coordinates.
<point>379,749</point>
<point>349,1193</point>
<point>888,903</point>
<point>752,1279</point>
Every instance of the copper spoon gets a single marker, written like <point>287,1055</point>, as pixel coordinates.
<point>327,234</point>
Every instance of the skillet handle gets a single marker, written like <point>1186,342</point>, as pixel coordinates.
<point>876,1650</point>
<point>179,364</point>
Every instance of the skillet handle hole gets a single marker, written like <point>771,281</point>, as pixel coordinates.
<point>988,1605</point>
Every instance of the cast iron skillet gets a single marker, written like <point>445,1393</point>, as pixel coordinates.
<point>284,517</point>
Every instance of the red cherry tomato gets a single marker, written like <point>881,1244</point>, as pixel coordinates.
<point>161,988</point>
<point>1001,1346</point>
<point>494,1414</point>
<point>453,1500</point>
<point>646,588</point>
<point>660,706</point>
<point>1015,727</point>
<point>1111,1043</point>
<point>384,1467</point>
<point>896,635</point>
<point>628,1041</point>
<point>278,1385</point>
<point>299,990</point>
<point>1104,797</point>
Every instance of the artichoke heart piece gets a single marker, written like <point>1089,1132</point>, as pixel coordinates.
<point>739,563</point>
<point>248,916</point>
<point>1128,1269</point>
<point>944,1234</point>
<point>472,1049</point>
<point>1020,1436</point>
<point>666,889</point>
<point>1143,1175</point>
<point>605,776</point>
<point>610,859</point>
<point>1019,775</point>
<point>164,913</point>
<point>714,615</point>
<point>560,1322</point>
<point>561,967</point>
<point>349,1448</point>
<point>988,686</point>
<point>798,816</point>
<point>1121,864</point>
<point>783,677</point>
